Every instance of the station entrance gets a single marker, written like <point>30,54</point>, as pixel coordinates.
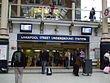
<point>32,51</point>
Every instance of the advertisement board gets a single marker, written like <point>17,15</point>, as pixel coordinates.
<point>3,52</point>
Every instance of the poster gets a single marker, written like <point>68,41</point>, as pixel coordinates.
<point>3,52</point>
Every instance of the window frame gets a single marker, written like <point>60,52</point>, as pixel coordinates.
<point>58,2</point>
<point>34,1</point>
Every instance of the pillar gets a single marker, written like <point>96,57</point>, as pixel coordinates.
<point>18,8</point>
<point>4,20</point>
<point>73,11</point>
<point>4,37</point>
<point>104,21</point>
<point>105,40</point>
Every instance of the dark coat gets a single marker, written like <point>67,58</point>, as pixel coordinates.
<point>22,63</point>
<point>78,61</point>
<point>92,13</point>
<point>44,56</point>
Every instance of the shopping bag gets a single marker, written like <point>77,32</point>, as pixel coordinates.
<point>106,70</point>
<point>49,71</point>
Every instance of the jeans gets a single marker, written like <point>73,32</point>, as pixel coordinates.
<point>18,74</point>
<point>44,63</point>
<point>67,64</point>
<point>75,69</point>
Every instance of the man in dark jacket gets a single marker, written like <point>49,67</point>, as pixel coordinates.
<point>92,14</point>
<point>44,59</point>
<point>77,65</point>
<point>18,64</point>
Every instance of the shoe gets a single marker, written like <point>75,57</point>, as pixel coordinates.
<point>76,75</point>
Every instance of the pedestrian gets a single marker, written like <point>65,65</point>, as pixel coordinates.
<point>52,7</point>
<point>74,54</point>
<point>92,15</point>
<point>56,58</point>
<point>18,62</point>
<point>67,59</point>
<point>106,69</point>
<point>76,65</point>
<point>107,58</point>
<point>44,56</point>
<point>82,54</point>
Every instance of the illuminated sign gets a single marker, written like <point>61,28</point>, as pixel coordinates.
<point>57,38</point>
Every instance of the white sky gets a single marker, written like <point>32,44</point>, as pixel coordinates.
<point>88,4</point>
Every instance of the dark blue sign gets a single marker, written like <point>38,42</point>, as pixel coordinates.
<point>56,38</point>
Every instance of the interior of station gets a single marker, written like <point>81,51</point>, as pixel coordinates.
<point>56,51</point>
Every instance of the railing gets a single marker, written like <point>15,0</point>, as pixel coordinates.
<point>84,15</point>
<point>50,13</point>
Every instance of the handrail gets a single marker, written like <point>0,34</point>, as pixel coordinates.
<point>45,6</point>
<point>43,12</point>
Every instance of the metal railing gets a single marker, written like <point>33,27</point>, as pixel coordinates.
<point>50,13</point>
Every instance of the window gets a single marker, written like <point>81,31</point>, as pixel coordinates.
<point>58,2</point>
<point>34,1</point>
<point>10,0</point>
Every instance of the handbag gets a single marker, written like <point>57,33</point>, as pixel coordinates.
<point>106,59</point>
<point>106,70</point>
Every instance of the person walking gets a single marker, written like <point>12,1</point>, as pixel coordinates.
<point>83,57</point>
<point>44,59</point>
<point>77,65</point>
<point>52,6</point>
<point>74,55</point>
<point>92,15</point>
<point>107,58</point>
<point>67,59</point>
<point>18,62</point>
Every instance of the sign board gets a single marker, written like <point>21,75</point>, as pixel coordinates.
<point>3,52</point>
<point>52,38</point>
<point>107,13</point>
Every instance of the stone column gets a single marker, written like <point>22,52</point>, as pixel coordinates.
<point>4,20</point>
<point>4,35</point>
<point>104,21</point>
<point>105,40</point>
<point>73,11</point>
<point>18,8</point>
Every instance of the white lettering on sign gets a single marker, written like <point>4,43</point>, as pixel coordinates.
<point>62,38</point>
<point>80,38</point>
<point>44,37</point>
<point>29,37</point>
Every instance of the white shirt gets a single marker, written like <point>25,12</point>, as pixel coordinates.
<point>107,55</point>
<point>68,54</point>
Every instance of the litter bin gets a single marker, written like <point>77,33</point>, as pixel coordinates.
<point>87,67</point>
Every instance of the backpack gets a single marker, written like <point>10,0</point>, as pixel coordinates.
<point>17,57</point>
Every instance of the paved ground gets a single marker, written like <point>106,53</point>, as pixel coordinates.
<point>59,76</point>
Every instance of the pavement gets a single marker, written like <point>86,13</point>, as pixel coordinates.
<point>60,75</point>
